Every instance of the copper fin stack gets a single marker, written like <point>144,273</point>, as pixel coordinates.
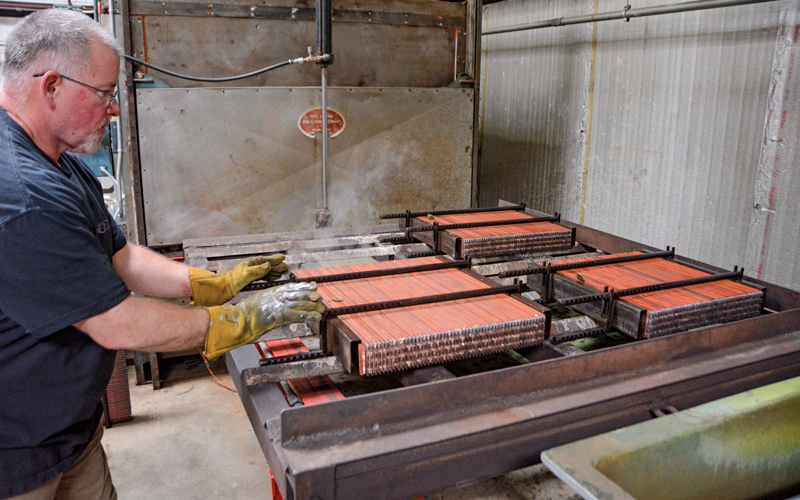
<point>480,233</point>
<point>420,312</point>
<point>661,311</point>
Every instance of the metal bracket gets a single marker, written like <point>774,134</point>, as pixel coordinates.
<point>290,371</point>
<point>661,412</point>
<point>625,13</point>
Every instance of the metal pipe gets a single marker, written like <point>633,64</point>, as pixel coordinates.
<point>118,129</point>
<point>324,138</point>
<point>324,10</point>
<point>113,18</point>
<point>626,14</point>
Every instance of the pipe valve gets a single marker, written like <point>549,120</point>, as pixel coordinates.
<point>322,58</point>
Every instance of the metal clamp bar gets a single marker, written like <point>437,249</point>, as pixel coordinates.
<point>677,284</point>
<point>261,285</point>
<point>458,264</point>
<point>303,356</point>
<point>259,375</point>
<point>417,255</point>
<point>588,263</point>
<point>464,225</point>
<point>415,301</point>
<point>582,299</point>
<point>395,240</point>
<point>452,212</point>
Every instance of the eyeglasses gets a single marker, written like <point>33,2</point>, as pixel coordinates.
<point>111,96</point>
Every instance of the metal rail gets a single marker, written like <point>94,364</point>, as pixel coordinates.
<point>553,268</point>
<point>456,264</point>
<point>625,14</point>
<point>463,225</point>
<point>615,294</point>
<point>416,301</point>
<point>409,214</point>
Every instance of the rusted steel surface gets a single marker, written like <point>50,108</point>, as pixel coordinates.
<point>398,444</point>
<point>423,375</point>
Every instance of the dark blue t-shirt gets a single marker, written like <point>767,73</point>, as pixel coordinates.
<point>56,244</point>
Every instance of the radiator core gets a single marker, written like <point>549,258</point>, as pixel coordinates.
<point>418,335</point>
<point>495,240</point>
<point>665,311</point>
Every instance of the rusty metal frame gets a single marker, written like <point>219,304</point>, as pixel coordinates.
<point>417,440</point>
<point>422,439</point>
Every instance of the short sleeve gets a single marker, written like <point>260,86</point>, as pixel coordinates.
<point>118,239</point>
<point>56,270</point>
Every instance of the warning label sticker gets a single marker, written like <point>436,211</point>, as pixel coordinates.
<point>310,122</point>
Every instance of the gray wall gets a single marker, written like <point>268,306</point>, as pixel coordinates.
<point>6,25</point>
<point>679,129</point>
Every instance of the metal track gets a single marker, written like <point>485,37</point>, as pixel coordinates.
<point>465,225</point>
<point>456,264</point>
<point>415,301</point>
<point>615,294</point>
<point>554,268</point>
<point>409,214</point>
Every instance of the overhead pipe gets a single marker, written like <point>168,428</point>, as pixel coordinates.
<point>625,14</point>
<point>120,212</point>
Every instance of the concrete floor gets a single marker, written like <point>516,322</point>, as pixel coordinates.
<point>192,440</point>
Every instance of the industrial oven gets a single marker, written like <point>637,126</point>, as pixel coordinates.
<point>219,155</point>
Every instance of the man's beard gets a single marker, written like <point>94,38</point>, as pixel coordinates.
<point>92,145</point>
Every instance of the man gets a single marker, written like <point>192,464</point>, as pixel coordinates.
<point>66,271</point>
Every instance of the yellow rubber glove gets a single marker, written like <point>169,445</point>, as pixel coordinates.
<point>234,325</point>
<point>212,289</point>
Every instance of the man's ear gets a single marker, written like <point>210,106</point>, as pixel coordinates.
<point>48,86</point>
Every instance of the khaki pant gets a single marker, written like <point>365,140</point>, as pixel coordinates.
<point>87,479</point>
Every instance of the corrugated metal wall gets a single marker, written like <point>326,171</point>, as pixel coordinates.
<point>679,129</point>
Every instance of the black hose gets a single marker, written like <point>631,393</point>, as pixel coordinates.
<point>201,79</point>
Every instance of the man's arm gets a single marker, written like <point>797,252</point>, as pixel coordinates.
<point>148,273</point>
<point>152,325</point>
<point>143,324</point>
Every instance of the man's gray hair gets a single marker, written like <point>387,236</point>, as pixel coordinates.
<point>52,39</point>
